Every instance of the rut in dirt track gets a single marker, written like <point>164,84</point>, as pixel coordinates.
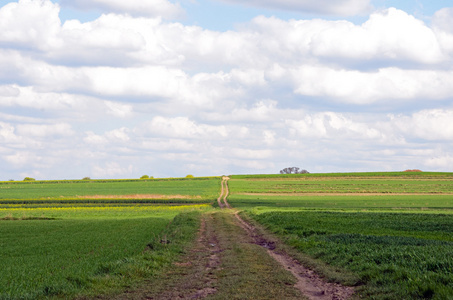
<point>310,284</point>
<point>232,259</point>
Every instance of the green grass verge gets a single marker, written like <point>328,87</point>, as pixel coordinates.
<point>395,256</point>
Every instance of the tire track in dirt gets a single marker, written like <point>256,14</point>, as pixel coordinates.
<point>225,192</point>
<point>308,283</point>
<point>222,192</point>
<point>195,276</point>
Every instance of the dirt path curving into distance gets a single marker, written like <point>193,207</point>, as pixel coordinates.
<point>310,284</point>
<point>233,259</point>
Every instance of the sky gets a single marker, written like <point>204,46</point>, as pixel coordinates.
<point>120,89</point>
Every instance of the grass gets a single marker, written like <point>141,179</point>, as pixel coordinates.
<point>393,232</point>
<point>89,255</point>
<point>342,185</point>
<point>204,188</point>
<point>56,246</point>
<point>396,256</point>
<point>396,203</point>
<point>390,233</point>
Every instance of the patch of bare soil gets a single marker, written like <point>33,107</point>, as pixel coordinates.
<point>197,278</point>
<point>139,196</point>
<point>222,192</point>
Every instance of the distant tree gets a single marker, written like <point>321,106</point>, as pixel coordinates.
<point>293,170</point>
<point>29,179</point>
<point>190,176</point>
<point>86,178</point>
<point>144,177</point>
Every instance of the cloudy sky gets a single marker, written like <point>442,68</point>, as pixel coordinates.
<point>119,89</point>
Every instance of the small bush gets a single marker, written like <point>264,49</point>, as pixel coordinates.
<point>190,176</point>
<point>144,177</point>
<point>29,179</point>
<point>86,178</point>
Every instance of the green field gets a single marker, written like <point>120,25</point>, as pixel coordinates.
<point>203,188</point>
<point>55,245</point>
<point>388,234</point>
<point>392,231</point>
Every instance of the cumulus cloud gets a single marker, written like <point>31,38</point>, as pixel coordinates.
<point>183,127</point>
<point>38,130</point>
<point>29,23</point>
<point>111,169</point>
<point>149,8</point>
<point>335,7</point>
<point>429,125</point>
<point>361,87</point>
<point>127,89</point>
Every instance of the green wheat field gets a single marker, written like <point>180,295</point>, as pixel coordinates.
<point>388,234</point>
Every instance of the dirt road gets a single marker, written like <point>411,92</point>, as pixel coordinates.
<point>233,259</point>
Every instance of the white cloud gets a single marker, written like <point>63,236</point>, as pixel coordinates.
<point>433,124</point>
<point>38,130</point>
<point>442,162</point>
<point>29,23</point>
<point>22,158</point>
<point>388,35</point>
<point>148,8</point>
<point>332,125</point>
<point>7,135</point>
<point>183,127</point>
<point>111,169</point>
<point>333,7</point>
<point>360,87</point>
<point>124,91</point>
<point>9,91</point>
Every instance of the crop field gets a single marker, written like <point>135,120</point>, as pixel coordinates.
<point>195,188</point>
<point>55,244</point>
<point>390,235</point>
<point>393,233</point>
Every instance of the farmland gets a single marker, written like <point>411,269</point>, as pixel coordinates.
<point>389,235</point>
<point>392,233</point>
<point>55,243</point>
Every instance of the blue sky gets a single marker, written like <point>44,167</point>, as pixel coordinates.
<point>222,16</point>
<point>115,89</point>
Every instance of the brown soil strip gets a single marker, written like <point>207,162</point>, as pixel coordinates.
<point>227,191</point>
<point>193,277</point>
<point>219,200</point>
<point>202,264</point>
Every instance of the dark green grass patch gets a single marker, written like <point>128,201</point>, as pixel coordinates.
<point>44,258</point>
<point>408,203</point>
<point>396,256</point>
